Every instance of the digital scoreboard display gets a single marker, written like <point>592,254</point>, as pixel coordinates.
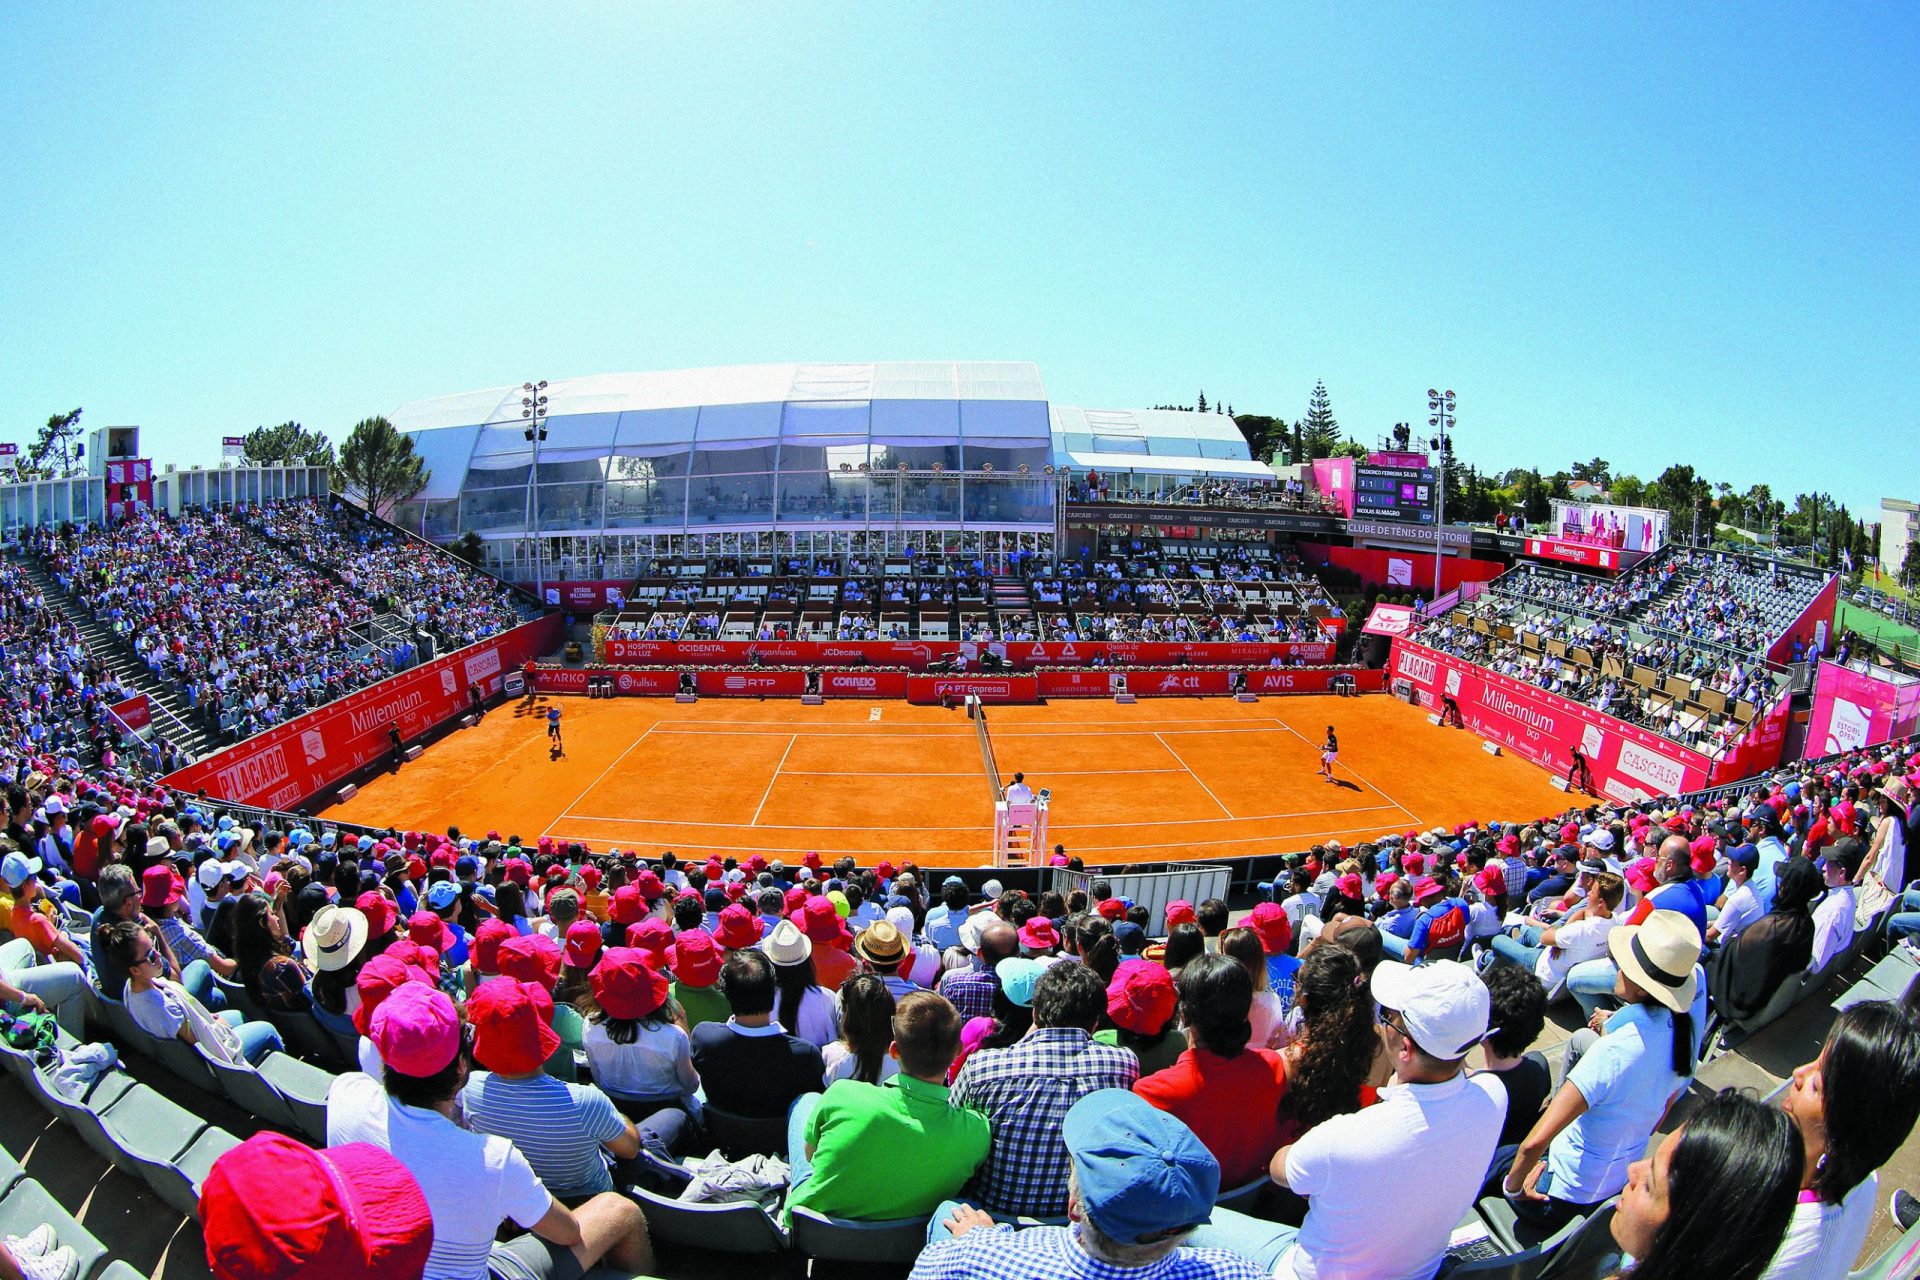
<point>1405,494</point>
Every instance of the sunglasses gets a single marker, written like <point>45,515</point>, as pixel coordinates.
<point>152,957</point>
<point>1386,1020</point>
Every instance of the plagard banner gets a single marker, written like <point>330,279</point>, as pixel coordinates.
<point>1627,762</point>
<point>289,763</point>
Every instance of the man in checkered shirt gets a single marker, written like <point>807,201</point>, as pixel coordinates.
<point>1027,1088</point>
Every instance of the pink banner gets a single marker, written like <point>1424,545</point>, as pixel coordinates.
<point>1812,628</point>
<point>1627,762</point>
<point>863,684</point>
<point>632,683</point>
<point>918,654</point>
<point>1313,681</point>
<point>1758,749</point>
<point>1390,620</point>
<point>1574,552</point>
<point>751,683</point>
<point>289,763</point>
<point>1853,709</point>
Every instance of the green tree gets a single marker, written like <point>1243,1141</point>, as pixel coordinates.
<point>56,440</point>
<point>1910,564</point>
<point>1263,434</point>
<point>1351,449</point>
<point>469,547</point>
<point>378,465</point>
<point>1203,402</point>
<point>1599,471</point>
<point>286,444</point>
<point>1628,491</point>
<point>1320,428</point>
<point>1534,497</point>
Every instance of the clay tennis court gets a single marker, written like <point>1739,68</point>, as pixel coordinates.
<point>1164,778</point>
<point>1168,778</point>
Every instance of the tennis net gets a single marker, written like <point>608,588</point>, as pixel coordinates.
<point>978,714</point>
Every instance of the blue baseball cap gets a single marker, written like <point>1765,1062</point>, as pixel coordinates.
<point>17,868</point>
<point>440,896</point>
<point>1744,854</point>
<point>1143,1174</point>
<point>1017,978</point>
<point>467,865</point>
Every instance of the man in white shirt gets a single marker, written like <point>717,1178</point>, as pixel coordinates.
<point>1018,792</point>
<point>471,1181</point>
<point>1581,936</point>
<point>1742,905</point>
<point>1433,1118</point>
<point>1833,914</point>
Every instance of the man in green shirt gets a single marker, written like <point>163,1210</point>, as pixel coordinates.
<point>895,1150</point>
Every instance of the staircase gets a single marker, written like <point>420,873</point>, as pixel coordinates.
<point>173,719</point>
<point>1009,593</point>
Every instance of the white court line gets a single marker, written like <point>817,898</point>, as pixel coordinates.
<point>1196,777</point>
<point>755,820</point>
<point>910,773</point>
<point>603,773</point>
<point>853,731</point>
<point>1350,769</point>
<point>917,826</point>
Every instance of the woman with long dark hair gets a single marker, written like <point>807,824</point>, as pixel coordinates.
<point>1332,1059</point>
<point>264,957</point>
<point>866,1033</point>
<point>1746,972</point>
<point>1623,1072</point>
<point>1715,1198</point>
<point>1854,1105</point>
<point>1184,943</point>
<point>1093,942</point>
<point>803,1007</point>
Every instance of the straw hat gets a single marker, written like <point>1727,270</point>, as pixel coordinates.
<point>334,938</point>
<point>1659,956</point>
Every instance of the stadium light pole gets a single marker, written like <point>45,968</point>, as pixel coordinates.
<point>1440,417</point>
<point>533,408</point>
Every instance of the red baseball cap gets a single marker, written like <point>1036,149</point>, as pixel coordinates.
<point>486,944</point>
<point>1112,909</point>
<point>695,959</point>
<point>512,1026</point>
<point>583,944</point>
<point>626,986</point>
<point>531,957</point>
<point>794,900</point>
<point>416,1029</point>
<point>1180,911</point>
<point>739,928</point>
<point>429,930</point>
<point>1271,923</point>
<point>655,938</point>
<point>274,1209</point>
<point>626,907</point>
<point>379,978</point>
<point>1141,998</point>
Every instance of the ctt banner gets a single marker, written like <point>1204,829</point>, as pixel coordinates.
<point>1627,762</point>
<point>919,654</point>
<point>288,764</point>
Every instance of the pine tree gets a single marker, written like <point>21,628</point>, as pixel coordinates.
<point>1321,431</point>
<point>1203,402</point>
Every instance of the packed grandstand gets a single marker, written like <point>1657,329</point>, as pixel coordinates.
<point>463,1052</point>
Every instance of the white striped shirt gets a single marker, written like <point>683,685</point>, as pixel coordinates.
<point>557,1126</point>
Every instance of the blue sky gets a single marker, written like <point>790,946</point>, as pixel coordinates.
<point>1650,234</point>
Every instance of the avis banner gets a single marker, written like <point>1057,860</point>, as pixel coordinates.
<point>1627,762</point>
<point>288,764</point>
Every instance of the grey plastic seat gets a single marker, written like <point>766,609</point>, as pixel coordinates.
<point>737,1135</point>
<point>1589,1253</point>
<point>144,1128</point>
<point>727,1228</point>
<point>897,1240</point>
<point>27,1205</point>
<point>178,1181</point>
<point>304,1088</point>
<point>184,1061</point>
<point>1525,1264</point>
<point>84,1114</point>
<point>249,1091</point>
<point>117,1270</point>
<point>10,1171</point>
<point>304,1036</point>
<point>235,994</point>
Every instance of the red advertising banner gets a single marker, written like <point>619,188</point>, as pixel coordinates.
<point>1759,748</point>
<point>1627,762</point>
<point>289,763</point>
<point>136,712</point>
<point>986,688</point>
<point>1312,681</point>
<point>1853,709</point>
<point>1076,684</point>
<point>751,683</point>
<point>863,684</point>
<point>1813,628</point>
<point>1389,620</point>
<point>1574,553</point>
<point>917,654</point>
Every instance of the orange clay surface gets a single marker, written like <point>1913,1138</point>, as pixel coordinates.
<point>1163,778</point>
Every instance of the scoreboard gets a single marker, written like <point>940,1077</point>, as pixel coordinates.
<point>1405,494</point>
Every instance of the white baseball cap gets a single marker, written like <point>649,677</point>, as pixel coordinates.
<point>1444,1004</point>
<point>1601,839</point>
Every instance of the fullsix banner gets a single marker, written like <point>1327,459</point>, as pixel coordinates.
<point>919,654</point>
<point>1627,762</point>
<point>285,765</point>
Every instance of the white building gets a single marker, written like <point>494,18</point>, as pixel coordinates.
<point>1899,524</point>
